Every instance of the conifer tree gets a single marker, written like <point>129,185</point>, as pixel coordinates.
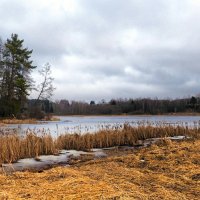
<point>16,68</point>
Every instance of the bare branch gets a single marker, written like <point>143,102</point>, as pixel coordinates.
<point>46,87</point>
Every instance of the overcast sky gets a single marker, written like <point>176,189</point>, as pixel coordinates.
<point>103,49</point>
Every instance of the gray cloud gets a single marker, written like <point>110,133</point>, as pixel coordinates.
<point>111,49</point>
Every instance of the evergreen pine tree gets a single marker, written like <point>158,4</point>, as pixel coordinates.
<point>16,70</point>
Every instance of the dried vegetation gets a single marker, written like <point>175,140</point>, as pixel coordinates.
<point>15,146</point>
<point>168,170</point>
<point>18,121</point>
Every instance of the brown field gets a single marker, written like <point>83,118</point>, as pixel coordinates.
<point>167,170</point>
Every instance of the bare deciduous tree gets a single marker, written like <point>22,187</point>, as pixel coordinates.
<point>45,88</point>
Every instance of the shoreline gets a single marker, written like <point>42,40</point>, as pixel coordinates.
<point>57,117</point>
<point>118,115</point>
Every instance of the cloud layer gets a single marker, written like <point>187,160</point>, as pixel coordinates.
<point>111,49</point>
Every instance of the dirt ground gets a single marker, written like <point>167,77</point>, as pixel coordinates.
<point>168,170</point>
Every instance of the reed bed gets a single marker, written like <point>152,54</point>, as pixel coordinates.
<point>128,135</point>
<point>14,146</point>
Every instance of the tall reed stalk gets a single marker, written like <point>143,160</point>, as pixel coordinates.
<point>128,135</point>
<point>14,147</point>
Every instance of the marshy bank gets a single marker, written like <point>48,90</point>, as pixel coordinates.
<point>18,121</point>
<point>31,145</point>
<point>169,170</point>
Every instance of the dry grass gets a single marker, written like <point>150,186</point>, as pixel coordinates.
<point>169,170</point>
<point>18,121</point>
<point>26,121</point>
<point>14,147</point>
<point>127,136</point>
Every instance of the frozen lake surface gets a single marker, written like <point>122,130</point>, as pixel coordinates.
<point>82,124</point>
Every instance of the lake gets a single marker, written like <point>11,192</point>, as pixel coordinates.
<point>82,124</point>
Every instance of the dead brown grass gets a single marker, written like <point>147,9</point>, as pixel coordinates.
<point>14,146</point>
<point>128,135</point>
<point>169,170</point>
<point>18,121</point>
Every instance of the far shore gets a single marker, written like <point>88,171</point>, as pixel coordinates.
<point>17,121</point>
<point>57,117</point>
<point>137,115</point>
<point>26,121</point>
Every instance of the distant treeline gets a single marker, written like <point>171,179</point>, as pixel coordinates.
<point>113,107</point>
<point>127,106</point>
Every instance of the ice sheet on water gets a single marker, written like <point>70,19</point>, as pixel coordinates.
<point>45,161</point>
